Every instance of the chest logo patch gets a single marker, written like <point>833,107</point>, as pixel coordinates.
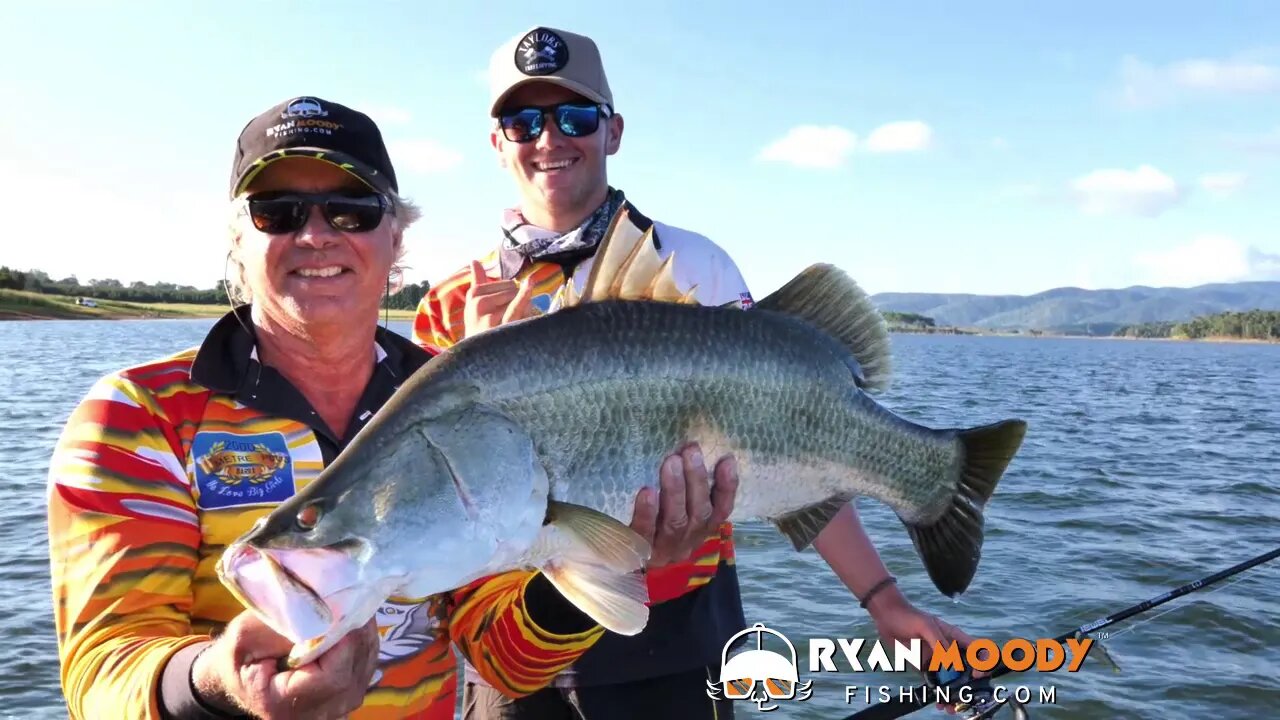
<point>233,469</point>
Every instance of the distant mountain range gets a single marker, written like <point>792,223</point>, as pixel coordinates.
<point>1071,309</point>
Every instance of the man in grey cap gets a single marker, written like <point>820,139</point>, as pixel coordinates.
<point>555,124</point>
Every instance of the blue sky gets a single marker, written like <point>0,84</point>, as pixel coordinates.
<point>1009,147</point>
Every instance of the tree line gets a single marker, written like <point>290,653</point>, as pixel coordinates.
<point>907,319</point>
<point>39,281</point>
<point>1246,325</point>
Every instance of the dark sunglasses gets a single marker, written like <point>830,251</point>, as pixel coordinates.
<point>279,212</point>
<point>522,125</point>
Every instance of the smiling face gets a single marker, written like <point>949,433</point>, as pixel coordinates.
<point>316,275</point>
<point>561,179</point>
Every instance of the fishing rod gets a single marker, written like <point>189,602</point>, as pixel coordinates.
<point>986,707</point>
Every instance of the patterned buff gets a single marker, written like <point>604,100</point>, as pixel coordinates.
<point>537,243</point>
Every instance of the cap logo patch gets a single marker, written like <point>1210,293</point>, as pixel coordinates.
<point>541,52</point>
<point>304,107</point>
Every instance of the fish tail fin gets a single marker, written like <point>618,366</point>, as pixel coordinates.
<point>594,562</point>
<point>824,296</point>
<point>952,545</point>
<point>627,266</point>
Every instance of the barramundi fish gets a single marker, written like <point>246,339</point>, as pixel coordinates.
<point>524,447</point>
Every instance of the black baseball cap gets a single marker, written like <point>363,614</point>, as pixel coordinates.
<point>313,127</point>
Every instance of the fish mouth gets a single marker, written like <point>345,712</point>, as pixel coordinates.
<point>295,582</point>
<point>275,593</point>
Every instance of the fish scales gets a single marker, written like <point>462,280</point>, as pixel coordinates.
<point>605,399</point>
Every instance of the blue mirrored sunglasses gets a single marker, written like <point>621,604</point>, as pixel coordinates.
<point>573,119</point>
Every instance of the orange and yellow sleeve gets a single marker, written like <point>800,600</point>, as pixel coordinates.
<point>518,632</point>
<point>123,543</point>
<point>438,322</point>
<point>429,333</point>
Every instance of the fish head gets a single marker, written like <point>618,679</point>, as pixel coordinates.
<point>421,502</point>
<point>321,563</point>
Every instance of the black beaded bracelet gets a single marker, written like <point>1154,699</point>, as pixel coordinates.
<point>875,589</point>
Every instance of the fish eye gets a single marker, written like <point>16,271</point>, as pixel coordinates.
<point>308,517</point>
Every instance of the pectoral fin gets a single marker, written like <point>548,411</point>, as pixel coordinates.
<point>615,600</point>
<point>595,562</point>
<point>578,532</point>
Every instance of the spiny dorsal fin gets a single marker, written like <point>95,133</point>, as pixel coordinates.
<point>826,297</point>
<point>627,266</point>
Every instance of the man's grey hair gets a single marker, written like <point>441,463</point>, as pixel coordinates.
<point>404,214</point>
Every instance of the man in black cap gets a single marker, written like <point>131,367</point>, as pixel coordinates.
<point>165,463</point>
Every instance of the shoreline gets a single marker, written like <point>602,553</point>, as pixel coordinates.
<point>11,315</point>
<point>1042,335</point>
<point>21,306</point>
<point>8,315</point>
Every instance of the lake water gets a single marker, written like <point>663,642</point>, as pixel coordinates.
<point>1146,465</point>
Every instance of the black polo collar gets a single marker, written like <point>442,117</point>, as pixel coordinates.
<point>226,362</point>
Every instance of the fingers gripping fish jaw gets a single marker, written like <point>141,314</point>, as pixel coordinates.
<point>350,609</point>
<point>312,596</point>
<point>283,601</point>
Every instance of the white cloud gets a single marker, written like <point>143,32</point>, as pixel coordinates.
<point>830,146</point>
<point>1207,259</point>
<point>999,143</point>
<point>812,146</point>
<point>1144,84</point>
<point>423,156</point>
<point>1225,76</point>
<point>1222,184</point>
<point>903,136</point>
<point>1144,192</point>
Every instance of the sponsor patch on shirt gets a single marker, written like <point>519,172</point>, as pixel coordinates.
<point>234,469</point>
<point>542,302</point>
<point>745,301</point>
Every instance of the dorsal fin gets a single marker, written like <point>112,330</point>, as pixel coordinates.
<point>627,267</point>
<point>826,297</point>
